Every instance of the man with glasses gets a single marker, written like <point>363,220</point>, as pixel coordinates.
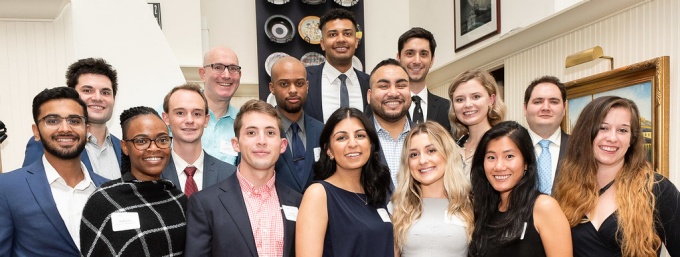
<point>185,111</point>
<point>41,204</point>
<point>97,84</point>
<point>221,75</point>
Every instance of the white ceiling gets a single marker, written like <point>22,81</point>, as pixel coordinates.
<point>31,9</point>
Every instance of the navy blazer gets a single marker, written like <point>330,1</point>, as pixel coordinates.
<point>438,110</point>
<point>314,105</point>
<point>285,167</point>
<point>30,224</point>
<point>35,151</point>
<point>218,223</point>
<point>214,171</point>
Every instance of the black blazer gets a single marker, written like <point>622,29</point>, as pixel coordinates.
<point>438,110</point>
<point>314,106</point>
<point>563,152</point>
<point>214,171</point>
<point>218,223</point>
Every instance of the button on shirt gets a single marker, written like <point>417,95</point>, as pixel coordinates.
<point>264,213</point>
<point>216,139</point>
<point>423,104</point>
<point>555,142</point>
<point>70,201</point>
<point>330,90</point>
<point>180,164</point>
<point>391,148</point>
<point>103,159</point>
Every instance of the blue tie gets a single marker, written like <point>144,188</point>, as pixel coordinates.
<point>545,168</point>
<point>344,94</point>
<point>298,152</point>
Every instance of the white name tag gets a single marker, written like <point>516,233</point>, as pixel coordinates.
<point>124,221</point>
<point>227,148</point>
<point>384,215</point>
<point>317,153</point>
<point>290,212</point>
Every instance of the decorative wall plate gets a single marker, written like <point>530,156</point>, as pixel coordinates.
<point>309,29</point>
<point>279,2</point>
<point>279,29</point>
<point>346,3</point>
<point>313,2</point>
<point>312,58</point>
<point>271,59</point>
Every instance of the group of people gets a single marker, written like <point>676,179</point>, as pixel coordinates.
<point>341,163</point>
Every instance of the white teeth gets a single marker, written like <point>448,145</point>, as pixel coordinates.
<point>501,177</point>
<point>392,103</point>
<point>225,84</point>
<point>96,107</point>
<point>152,159</point>
<point>352,154</point>
<point>65,140</point>
<point>469,113</point>
<point>427,170</point>
<point>609,148</point>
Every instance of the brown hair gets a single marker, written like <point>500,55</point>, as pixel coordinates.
<point>189,87</point>
<point>256,106</point>
<point>496,113</point>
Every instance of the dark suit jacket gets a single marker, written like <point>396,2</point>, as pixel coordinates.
<point>563,152</point>
<point>285,167</point>
<point>438,110</point>
<point>214,171</point>
<point>313,106</point>
<point>218,223</point>
<point>30,224</point>
<point>35,151</point>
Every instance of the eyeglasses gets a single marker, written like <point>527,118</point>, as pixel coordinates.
<point>54,121</point>
<point>143,143</point>
<point>221,67</point>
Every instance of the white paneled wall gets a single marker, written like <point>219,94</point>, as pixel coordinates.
<point>34,55</point>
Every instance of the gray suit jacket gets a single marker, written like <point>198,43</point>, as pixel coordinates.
<point>218,223</point>
<point>214,171</point>
<point>285,167</point>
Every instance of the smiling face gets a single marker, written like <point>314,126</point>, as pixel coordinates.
<point>350,145</point>
<point>426,162</point>
<point>65,141</point>
<point>146,164</point>
<point>339,41</point>
<point>416,58</point>
<point>220,86</point>
<point>545,108</point>
<point>471,103</point>
<point>613,139</point>
<point>259,142</point>
<point>97,92</point>
<point>390,94</point>
<point>186,116</point>
<point>503,165</point>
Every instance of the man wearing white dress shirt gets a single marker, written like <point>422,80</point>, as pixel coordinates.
<point>544,108</point>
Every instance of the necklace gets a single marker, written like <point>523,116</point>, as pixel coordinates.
<point>362,199</point>
<point>604,188</point>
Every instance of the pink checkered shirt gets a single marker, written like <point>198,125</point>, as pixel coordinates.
<point>264,212</point>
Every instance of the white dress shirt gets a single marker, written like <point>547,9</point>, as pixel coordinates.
<point>555,142</point>
<point>181,164</point>
<point>423,103</point>
<point>330,90</point>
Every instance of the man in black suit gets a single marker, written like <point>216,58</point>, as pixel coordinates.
<point>335,83</point>
<point>185,111</point>
<point>544,108</point>
<point>250,213</point>
<point>416,53</point>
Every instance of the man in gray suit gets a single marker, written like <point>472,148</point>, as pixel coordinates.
<point>185,111</point>
<point>544,108</point>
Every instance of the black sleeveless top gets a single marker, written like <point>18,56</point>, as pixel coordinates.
<point>530,246</point>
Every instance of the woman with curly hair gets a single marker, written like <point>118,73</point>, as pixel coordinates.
<point>614,201</point>
<point>432,211</point>
<point>475,107</point>
<point>344,213</point>
<point>512,218</point>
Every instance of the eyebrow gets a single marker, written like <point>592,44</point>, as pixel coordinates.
<point>427,146</point>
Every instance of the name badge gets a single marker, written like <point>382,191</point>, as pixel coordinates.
<point>317,153</point>
<point>384,215</point>
<point>227,148</point>
<point>124,221</point>
<point>290,212</point>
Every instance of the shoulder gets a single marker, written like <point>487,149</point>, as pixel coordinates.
<point>546,205</point>
<point>315,69</point>
<point>664,188</point>
<point>436,97</point>
<point>313,123</point>
<point>315,192</point>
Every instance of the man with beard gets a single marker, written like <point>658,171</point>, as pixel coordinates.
<point>97,84</point>
<point>416,53</point>
<point>185,111</point>
<point>336,77</point>
<point>289,86</point>
<point>390,99</point>
<point>41,205</point>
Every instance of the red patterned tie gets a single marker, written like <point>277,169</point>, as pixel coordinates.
<point>190,186</point>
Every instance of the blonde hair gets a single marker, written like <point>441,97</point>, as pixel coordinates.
<point>496,113</point>
<point>407,199</point>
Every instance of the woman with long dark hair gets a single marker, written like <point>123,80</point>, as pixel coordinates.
<point>344,213</point>
<point>512,218</point>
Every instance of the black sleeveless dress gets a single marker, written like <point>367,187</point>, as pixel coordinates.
<point>530,246</point>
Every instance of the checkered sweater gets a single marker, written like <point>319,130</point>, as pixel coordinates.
<point>161,209</point>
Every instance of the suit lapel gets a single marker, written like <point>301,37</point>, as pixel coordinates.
<point>86,160</point>
<point>170,173</point>
<point>116,147</point>
<point>233,203</point>
<point>209,172</point>
<point>432,107</point>
<point>288,226</point>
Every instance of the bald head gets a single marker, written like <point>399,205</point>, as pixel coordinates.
<point>215,52</point>
<point>221,75</point>
<point>288,66</point>
<point>289,86</point>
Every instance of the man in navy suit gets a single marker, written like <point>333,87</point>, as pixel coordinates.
<point>97,84</point>
<point>41,204</point>
<point>339,42</point>
<point>416,53</point>
<point>250,213</point>
<point>544,108</point>
<point>289,86</point>
<point>185,111</point>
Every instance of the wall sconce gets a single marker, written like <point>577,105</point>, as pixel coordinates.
<point>587,56</point>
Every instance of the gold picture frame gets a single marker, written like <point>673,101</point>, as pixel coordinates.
<point>648,85</point>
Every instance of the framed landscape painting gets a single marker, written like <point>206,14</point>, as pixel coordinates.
<point>475,20</point>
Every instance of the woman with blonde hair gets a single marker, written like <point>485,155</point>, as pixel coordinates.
<point>432,211</point>
<point>613,200</point>
<point>475,107</point>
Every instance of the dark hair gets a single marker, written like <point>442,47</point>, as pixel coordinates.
<point>189,87</point>
<point>54,94</point>
<point>485,199</point>
<point>388,61</point>
<point>545,79</point>
<point>259,106</point>
<point>97,66</point>
<point>416,32</point>
<point>125,119</point>
<point>335,14</point>
<point>375,176</point>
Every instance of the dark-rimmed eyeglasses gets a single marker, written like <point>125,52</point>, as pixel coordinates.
<point>221,67</point>
<point>143,143</point>
<point>54,121</point>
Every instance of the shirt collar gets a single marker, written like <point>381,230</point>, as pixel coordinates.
<point>555,138</point>
<point>231,113</point>
<point>287,122</point>
<point>53,175</point>
<point>378,128</point>
<point>248,187</point>
<point>332,73</point>
<point>180,163</point>
<point>422,95</point>
<point>92,139</point>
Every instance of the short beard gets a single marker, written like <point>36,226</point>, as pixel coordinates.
<point>64,154</point>
<point>388,117</point>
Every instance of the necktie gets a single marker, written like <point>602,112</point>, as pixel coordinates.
<point>298,151</point>
<point>344,94</point>
<point>190,186</point>
<point>418,111</point>
<point>545,168</point>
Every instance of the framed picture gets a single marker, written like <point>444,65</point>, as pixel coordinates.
<point>648,85</point>
<point>475,21</point>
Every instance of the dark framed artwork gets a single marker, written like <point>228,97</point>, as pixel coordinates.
<point>648,85</point>
<point>475,20</point>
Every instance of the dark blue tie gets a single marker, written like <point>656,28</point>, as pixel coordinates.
<point>298,152</point>
<point>344,94</point>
